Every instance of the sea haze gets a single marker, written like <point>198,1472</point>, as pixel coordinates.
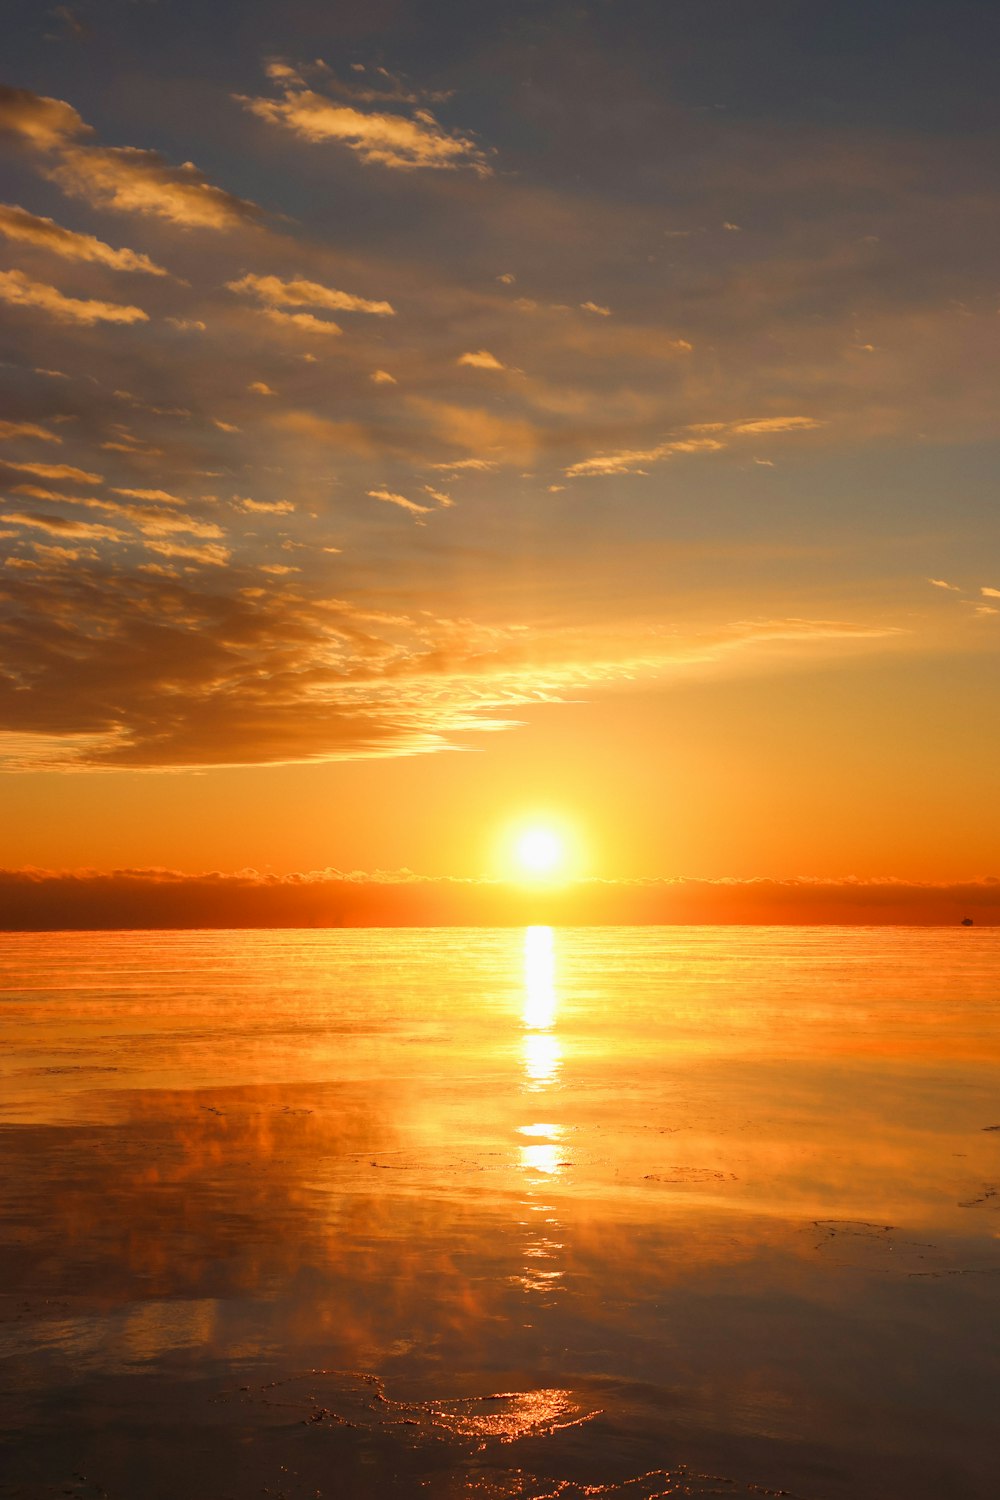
<point>541,1213</point>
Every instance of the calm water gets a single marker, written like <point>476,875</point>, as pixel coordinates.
<point>623,1212</point>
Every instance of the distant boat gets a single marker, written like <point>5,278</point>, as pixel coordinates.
<point>968,922</point>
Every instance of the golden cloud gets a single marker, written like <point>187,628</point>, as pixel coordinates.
<point>21,291</point>
<point>130,180</point>
<point>481,359</point>
<point>404,142</point>
<point>55,471</point>
<point>477,431</point>
<point>18,224</point>
<point>631,460</point>
<point>350,437</point>
<point>274,292</point>
<point>401,501</point>
<point>62,526</point>
<point>776,424</point>
<point>29,430</point>
<point>266,507</point>
<point>214,556</point>
<point>40,122</point>
<point>163,496</point>
<point>307,322</point>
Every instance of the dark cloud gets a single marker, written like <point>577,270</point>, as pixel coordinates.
<point>39,899</point>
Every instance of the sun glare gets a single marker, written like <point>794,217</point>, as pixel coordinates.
<point>540,852</point>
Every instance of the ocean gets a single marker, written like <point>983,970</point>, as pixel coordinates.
<point>510,1212</point>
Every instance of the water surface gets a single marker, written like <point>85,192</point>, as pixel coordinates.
<point>623,1212</point>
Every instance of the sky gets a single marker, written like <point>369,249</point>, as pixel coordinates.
<point>422,421</point>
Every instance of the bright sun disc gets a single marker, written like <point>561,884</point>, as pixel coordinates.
<point>539,851</point>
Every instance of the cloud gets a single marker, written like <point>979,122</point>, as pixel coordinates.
<point>163,496</point>
<point>274,292</point>
<point>42,900</point>
<point>18,224</point>
<point>261,388</point>
<point>382,377</point>
<point>400,500</point>
<point>21,291</point>
<point>469,465</point>
<point>990,593</point>
<point>473,428</point>
<point>406,142</point>
<point>442,499</point>
<point>187,325</point>
<point>940,583</point>
<point>152,522</point>
<point>349,437</point>
<point>40,122</point>
<point>307,322</point>
<point>482,359</point>
<point>29,430</point>
<point>129,180</point>
<point>777,424</point>
<point>214,556</point>
<point>632,460</point>
<point>62,525</point>
<point>55,471</point>
<point>595,307</point>
<point>266,507</point>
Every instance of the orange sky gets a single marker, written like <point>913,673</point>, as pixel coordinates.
<point>587,418</point>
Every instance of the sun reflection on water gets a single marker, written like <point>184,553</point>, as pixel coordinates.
<point>540,1049</point>
<point>542,1155</point>
<point>539,979</point>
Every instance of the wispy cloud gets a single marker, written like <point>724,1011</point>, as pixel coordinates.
<point>55,471</point>
<point>163,497</point>
<point>18,224</point>
<point>62,525</point>
<point>212,555</point>
<point>391,498</point>
<point>129,180</point>
<point>481,359</point>
<point>28,430</point>
<point>19,290</point>
<point>404,141</point>
<point>303,321</point>
<point>634,460</point>
<point>266,507</point>
<point>274,292</point>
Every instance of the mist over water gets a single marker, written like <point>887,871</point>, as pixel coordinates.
<point>543,1212</point>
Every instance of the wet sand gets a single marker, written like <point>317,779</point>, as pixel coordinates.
<point>588,1212</point>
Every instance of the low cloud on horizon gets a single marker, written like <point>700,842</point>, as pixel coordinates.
<point>45,900</point>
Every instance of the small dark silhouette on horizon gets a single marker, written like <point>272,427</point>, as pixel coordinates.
<point>968,922</point>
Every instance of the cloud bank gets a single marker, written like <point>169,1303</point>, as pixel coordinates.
<point>47,900</point>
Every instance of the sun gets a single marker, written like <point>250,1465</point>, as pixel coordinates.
<point>539,852</point>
